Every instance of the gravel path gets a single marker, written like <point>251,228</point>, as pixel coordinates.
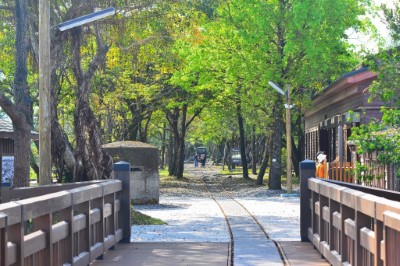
<point>192,216</point>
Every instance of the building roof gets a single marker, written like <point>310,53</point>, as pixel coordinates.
<point>7,129</point>
<point>6,125</point>
<point>127,144</point>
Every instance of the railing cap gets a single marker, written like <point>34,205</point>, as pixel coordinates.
<point>307,164</point>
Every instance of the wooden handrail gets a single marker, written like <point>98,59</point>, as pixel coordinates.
<point>74,221</point>
<point>353,227</point>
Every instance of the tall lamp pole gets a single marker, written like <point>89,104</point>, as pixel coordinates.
<point>44,80</point>
<point>44,94</point>
<point>288,106</point>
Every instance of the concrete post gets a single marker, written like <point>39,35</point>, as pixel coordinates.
<point>307,170</point>
<point>122,172</point>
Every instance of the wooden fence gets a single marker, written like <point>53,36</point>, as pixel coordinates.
<point>342,171</point>
<point>375,175</point>
<point>350,227</point>
<point>69,227</point>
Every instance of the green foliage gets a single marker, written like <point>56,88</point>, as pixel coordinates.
<point>138,218</point>
<point>382,137</point>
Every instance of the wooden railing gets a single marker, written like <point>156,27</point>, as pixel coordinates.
<point>349,224</point>
<point>350,227</point>
<point>70,227</point>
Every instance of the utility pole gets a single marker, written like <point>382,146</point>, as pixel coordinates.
<point>44,94</point>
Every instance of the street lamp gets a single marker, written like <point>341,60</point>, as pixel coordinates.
<point>44,80</point>
<point>288,106</point>
<point>86,19</point>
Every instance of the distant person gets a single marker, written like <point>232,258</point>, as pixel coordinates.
<point>196,160</point>
<point>203,158</point>
<point>321,168</point>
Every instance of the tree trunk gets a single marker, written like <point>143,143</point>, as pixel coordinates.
<point>135,121</point>
<point>242,136</point>
<point>171,153</point>
<point>253,152</point>
<point>92,162</point>
<point>22,155</point>
<point>275,173</point>
<point>264,164</point>
<point>163,146</point>
<point>20,111</point>
<point>297,150</point>
<point>181,144</point>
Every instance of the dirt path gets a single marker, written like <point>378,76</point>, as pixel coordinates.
<point>192,184</point>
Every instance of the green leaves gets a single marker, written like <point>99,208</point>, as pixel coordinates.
<point>381,137</point>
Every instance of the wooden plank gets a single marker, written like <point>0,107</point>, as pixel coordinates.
<point>39,206</point>
<point>167,254</point>
<point>316,208</point>
<point>109,241</point>
<point>107,210</point>
<point>3,220</point>
<point>13,212</point>
<point>326,214</point>
<point>118,235</point>
<point>337,220</point>
<point>302,254</point>
<point>82,259</point>
<point>34,243</point>
<point>112,186</point>
<point>117,205</point>
<point>96,251</point>
<point>383,252</point>
<point>79,223</point>
<point>367,240</point>
<point>84,194</point>
<point>366,204</point>
<point>30,192</point>
<point>60,231</point>
<point>95,216</point>
<point>383,205</point>
<point>350,229</point>
<point>392,220</point>
<point>12,253</point>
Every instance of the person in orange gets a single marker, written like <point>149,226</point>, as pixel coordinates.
<point>321,168</point>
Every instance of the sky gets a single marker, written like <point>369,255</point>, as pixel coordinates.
<point>364,41</point>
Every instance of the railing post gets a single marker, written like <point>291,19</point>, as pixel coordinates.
<point>3,239</point>
<point>307,170</point>
<point>5,192</point>
<point>122,172</point>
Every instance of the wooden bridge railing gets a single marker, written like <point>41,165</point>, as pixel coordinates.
<point>349,226</point>
<point>69,227</point>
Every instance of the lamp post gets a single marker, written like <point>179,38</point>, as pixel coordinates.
<point>44,94</point>
<point>288,106</point>
<point>44,80</point>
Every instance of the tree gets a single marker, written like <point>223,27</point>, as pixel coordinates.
<point>384,136</point>
<point>18,102</point>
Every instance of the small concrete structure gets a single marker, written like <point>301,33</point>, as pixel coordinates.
<point>144,160</point>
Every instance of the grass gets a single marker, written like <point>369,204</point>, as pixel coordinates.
<point>139,218</point>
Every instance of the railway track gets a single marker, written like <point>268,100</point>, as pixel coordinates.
<point>250,243</point>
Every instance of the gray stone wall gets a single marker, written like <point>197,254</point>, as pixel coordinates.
<point>144,160</point>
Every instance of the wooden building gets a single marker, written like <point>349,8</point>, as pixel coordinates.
<point>7,140</point>
<point>341,106</point>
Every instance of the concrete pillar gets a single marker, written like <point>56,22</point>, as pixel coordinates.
<point>122,172</point>
<point>307,170</point>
